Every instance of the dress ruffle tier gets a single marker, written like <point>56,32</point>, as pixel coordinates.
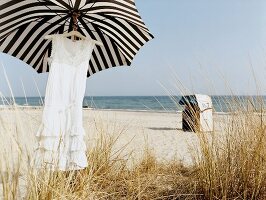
<point>60,148</point>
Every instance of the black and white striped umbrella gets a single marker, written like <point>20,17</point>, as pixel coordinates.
<point>115,23</point>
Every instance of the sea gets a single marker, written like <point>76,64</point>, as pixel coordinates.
<point>151,103</point>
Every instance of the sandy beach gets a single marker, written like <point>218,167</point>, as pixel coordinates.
<point>133,133</point>
<point>161,132</point>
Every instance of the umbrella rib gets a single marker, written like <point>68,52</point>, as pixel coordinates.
<point>70,3</point>
<point>49,22</point>
<point>64,24</point>
<point>49,8</point>
<point>90,7</point>
<point>95,20</point>
<point>92,30</point>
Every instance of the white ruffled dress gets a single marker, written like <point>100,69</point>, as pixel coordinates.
<point>60,137</point>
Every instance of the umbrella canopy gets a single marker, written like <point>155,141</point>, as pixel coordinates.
<point>115,23</point>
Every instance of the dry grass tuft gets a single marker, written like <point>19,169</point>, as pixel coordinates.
<point>232,164</point>
<point>229,164</point>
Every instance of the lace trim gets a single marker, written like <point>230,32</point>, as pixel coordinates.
<point>62,55</point>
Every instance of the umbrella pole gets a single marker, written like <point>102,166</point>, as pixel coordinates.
<point>75,24</point>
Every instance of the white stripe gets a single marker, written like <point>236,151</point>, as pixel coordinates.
<point>59,4</point>
<point>132,30</point>
<point>142,25</point>
<point>22,12</point>
<point>103,49</point>
<point>110,46</point>
<point>89,69</point>
<point>123,58</point>
<point>114,8</point>
<point>39,52</point>
<point>37,44</point>
<point>36,33</point>
<point>23,19</point>
<point>19,40</point>
<point>115,34</point>
<point>6,42</point>
<point>125,49</point>
<point>14,28</point>
<point>125,32</point>
<point>126,3</point>
<point>106,3</point>
<point>82,3</point>
<point>94,64</point>
<point>118,41</point>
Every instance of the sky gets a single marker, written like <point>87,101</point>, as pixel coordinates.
<point>200,46</point>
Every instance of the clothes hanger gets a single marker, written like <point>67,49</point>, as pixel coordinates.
<point>76,34</point>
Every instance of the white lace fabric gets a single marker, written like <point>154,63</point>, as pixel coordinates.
<point>60,137</point>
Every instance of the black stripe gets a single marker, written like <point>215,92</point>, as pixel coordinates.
<point>109,53</point>
<point>91,1</point>
<point>14,24</point>
<point>49,46</point>
<point>130,2</point>
<point>10,3</point>
<point>33,5</point>
<point>130,18</point>
<point>100,33</point>
<point>40,35</point>
<point>98,65</point>
<point>92,67</point>
<point>117,52</point>
<point>49,49</point>
<point>98,8</point>
<point>60,30</point>
<point>64,4</point>
<point>126,29</point>
<point>77,3</point>
<point>41,57</point>
<point>42,9</point>
<point>93,53</point>
<point>26,14</point>
<point>140,33</point>
<point>122,40</point>
<point>29,34</point>
<point>125,17</point>
<point>133,7</point>
<point>15,38</point>
<point>103,40</point>
<point>117,29</point>
<point>2,41</point>
<point>98,48</point>
<point>128,62</point>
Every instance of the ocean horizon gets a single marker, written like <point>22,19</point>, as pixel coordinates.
<point>222,103</point>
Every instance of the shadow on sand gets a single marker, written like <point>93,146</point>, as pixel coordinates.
<point>165,129</point>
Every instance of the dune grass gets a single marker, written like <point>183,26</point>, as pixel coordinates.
<point>228,164</point>
<point>232,164</point>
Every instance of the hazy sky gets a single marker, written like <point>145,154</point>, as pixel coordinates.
<point>207,46</point>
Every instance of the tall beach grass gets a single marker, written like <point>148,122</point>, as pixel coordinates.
<point>229,163</point>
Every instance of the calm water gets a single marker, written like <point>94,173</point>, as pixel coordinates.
<point>155,103</point>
